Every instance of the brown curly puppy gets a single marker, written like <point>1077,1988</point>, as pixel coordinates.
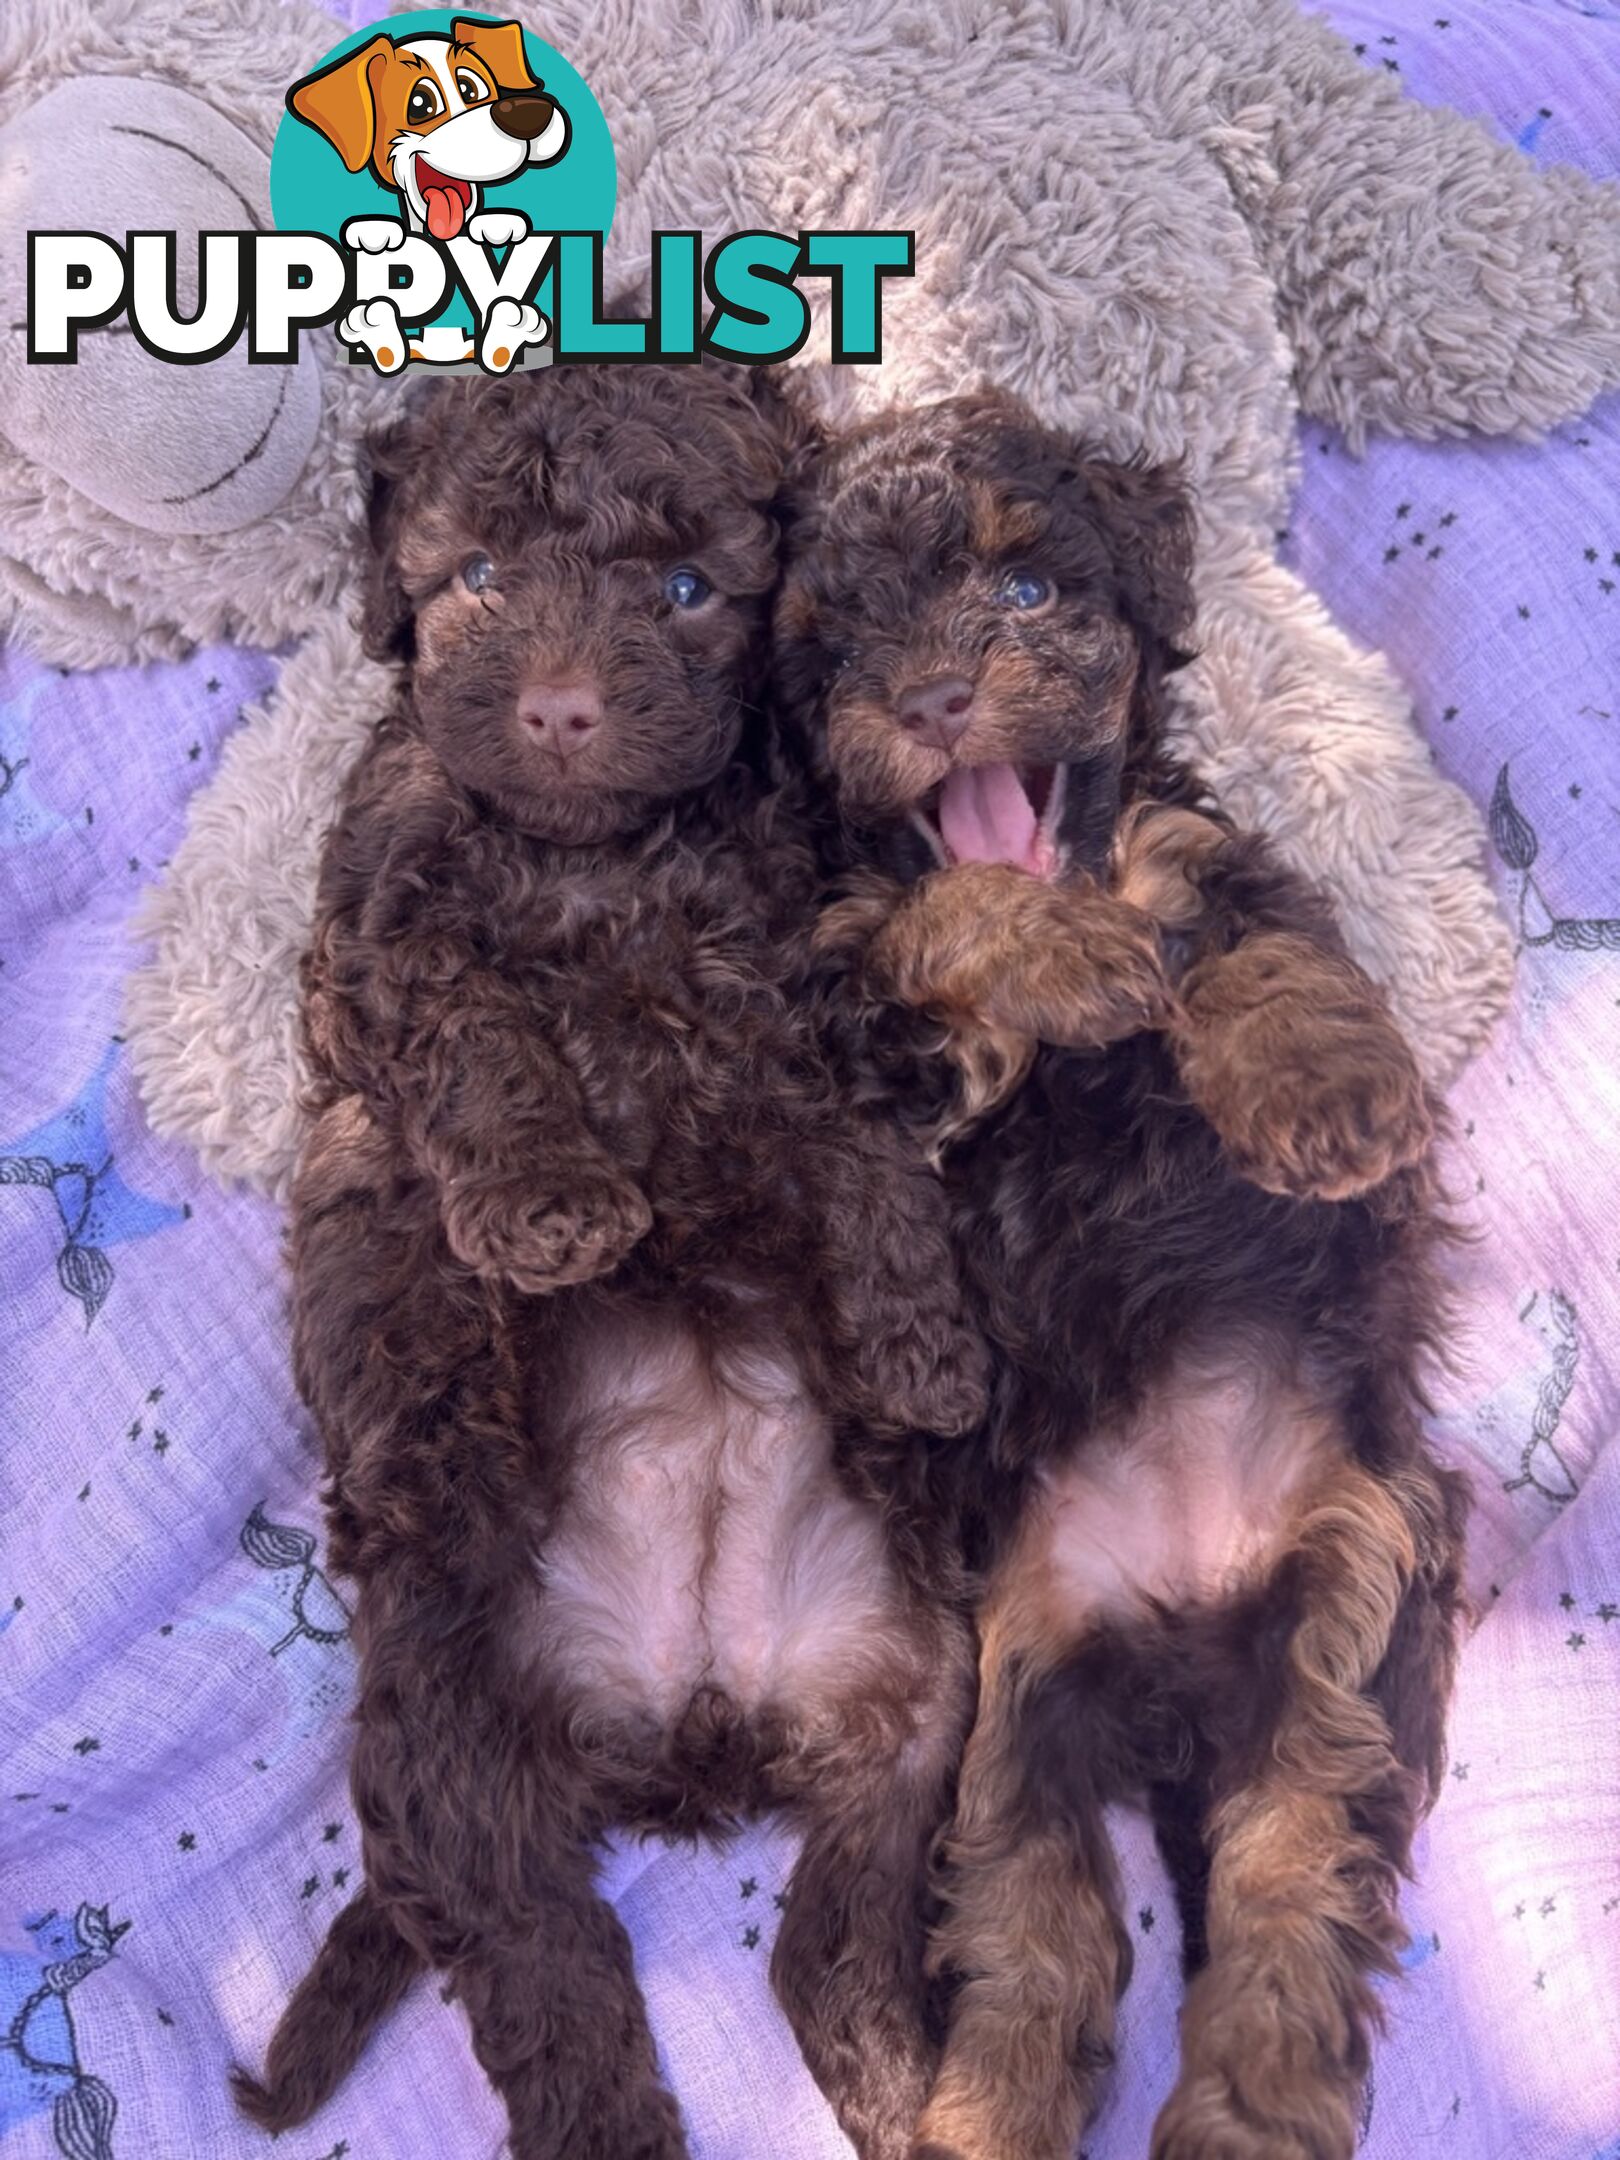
<point>1197,1217</point>
<point>621,1327</point>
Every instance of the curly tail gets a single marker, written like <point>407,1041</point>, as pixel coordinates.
<point>360,1973</point>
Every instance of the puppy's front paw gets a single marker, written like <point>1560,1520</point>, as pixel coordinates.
<point>539,1239</point>
<point>1334,1130</point>
<point>1099,979</point>
<point>952,1392</point>
<point>1292,1056</point>
<point>987,943</point>
<point>933,1378</point>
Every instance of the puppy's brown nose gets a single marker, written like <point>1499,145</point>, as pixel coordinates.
<point>937,712</point>
<point>561,716</point>
<point>523,114</point>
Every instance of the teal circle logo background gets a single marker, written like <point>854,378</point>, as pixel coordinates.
<point>312,190</point>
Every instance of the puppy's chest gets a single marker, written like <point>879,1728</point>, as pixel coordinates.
<point>705,1542</point>
<point>654,993</point>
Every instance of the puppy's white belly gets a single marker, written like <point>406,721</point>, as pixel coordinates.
<point>707,1541</point>
<point>1187,1500</point>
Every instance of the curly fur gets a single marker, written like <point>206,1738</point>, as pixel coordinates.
<point>1223,1568</point>
<point>624,1332</point>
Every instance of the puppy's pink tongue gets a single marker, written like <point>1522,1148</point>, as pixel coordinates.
<point>985,816</point>
<point>443,212</point>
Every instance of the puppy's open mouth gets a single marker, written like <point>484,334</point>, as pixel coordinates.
<point>997,813</point>
<point>446,199</point>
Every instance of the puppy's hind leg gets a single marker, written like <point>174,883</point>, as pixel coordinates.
<point>474,1806</point>
<point>559,2028</point>
<point>1032,1935</point>
<point>848,1966</point>
<point>1306,1847</point>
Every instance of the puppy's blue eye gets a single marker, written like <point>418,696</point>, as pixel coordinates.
<point>477,573</point>
<point>686,589</point>
<point>1024,590</point>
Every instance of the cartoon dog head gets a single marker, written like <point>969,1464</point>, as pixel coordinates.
<point>436,118</point>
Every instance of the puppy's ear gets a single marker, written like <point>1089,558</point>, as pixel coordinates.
<point>1148,516</point>
<point>387,623</point>
<point>500,47</point>
<point>339,102</point>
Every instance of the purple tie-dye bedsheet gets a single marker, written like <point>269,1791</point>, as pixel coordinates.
<point>175,1667</point>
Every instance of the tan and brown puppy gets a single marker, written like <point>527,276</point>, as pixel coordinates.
<point>437,119</point>
<point>1186,1153</point>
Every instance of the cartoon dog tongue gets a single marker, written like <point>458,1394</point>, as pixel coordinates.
<point>985,816</point>
<point>444,212</point>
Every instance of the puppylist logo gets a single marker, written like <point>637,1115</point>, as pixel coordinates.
<point>441,191</point>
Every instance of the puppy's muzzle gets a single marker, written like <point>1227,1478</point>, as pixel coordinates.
<point>560,717</point>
